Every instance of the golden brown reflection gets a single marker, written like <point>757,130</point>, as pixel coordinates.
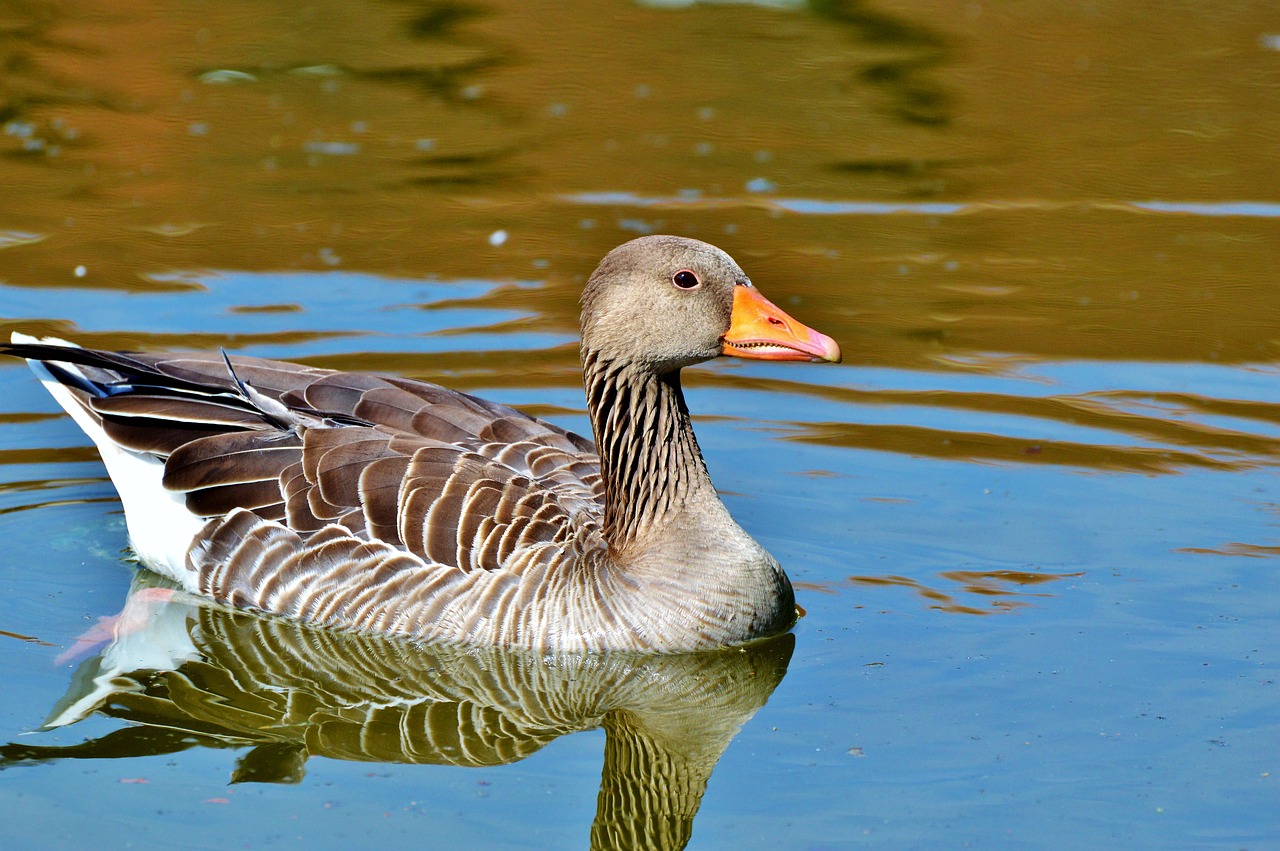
<point>937,443</point>
<point>395,138</point>
<point>29,639</point>
<point>144,149</point>
<point>1235,549</point>
<point>1180,441</point>
<point>282,693</point>
<point>1006,588</point>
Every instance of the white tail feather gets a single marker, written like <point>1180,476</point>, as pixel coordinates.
<point>160,526</point>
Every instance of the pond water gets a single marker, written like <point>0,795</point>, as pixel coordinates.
<point>1033,518</point>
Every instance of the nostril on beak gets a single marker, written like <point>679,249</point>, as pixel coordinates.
<point>773,320</point>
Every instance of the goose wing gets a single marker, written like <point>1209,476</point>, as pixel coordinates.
<point>442,475</point>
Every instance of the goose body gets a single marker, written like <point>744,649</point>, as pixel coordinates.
<point>382,504</point>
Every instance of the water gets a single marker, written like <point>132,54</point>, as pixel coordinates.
<point>1033,518</point>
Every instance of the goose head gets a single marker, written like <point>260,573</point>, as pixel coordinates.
<point>668,302</point>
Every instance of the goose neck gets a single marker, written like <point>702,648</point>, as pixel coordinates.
<point>652,468</point>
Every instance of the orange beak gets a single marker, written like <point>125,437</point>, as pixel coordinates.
<point>759,330</point>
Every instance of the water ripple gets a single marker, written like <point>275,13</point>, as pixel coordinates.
<point>825,207</point>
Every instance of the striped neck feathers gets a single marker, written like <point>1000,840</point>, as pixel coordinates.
<point>649,458</point>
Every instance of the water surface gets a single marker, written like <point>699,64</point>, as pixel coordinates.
<point>1033,518</point>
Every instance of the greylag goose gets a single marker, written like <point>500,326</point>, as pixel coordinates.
<point>381,504</point>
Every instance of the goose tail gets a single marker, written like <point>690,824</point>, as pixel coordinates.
<point>161,528</point>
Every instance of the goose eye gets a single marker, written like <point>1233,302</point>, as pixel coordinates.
<point>685,279</point>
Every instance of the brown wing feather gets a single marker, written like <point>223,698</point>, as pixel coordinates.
<point>208,412</point>
<point>232,458</point>
<point>157,437</point>
<point>338,392</point>
<point>455,479</point>
<point>208,369</point>
<point>380,485</point>
<point>451,478</point>
<point>463,509</point>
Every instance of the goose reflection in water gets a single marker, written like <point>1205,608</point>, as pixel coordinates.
<point>188,672</point>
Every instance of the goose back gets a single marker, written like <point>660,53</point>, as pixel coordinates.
<point>451,478</point>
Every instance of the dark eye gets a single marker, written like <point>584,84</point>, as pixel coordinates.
<point>685,280</point>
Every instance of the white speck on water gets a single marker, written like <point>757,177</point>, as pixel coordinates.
<point>80,271</point>
<point>498,237</point>
<point>225,76</point>
<point>639,226</point>
<point>324,70</point>
<point>761,184</point>
<point>333,149</point>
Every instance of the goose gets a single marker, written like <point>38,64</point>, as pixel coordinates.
<point>376,503</point>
